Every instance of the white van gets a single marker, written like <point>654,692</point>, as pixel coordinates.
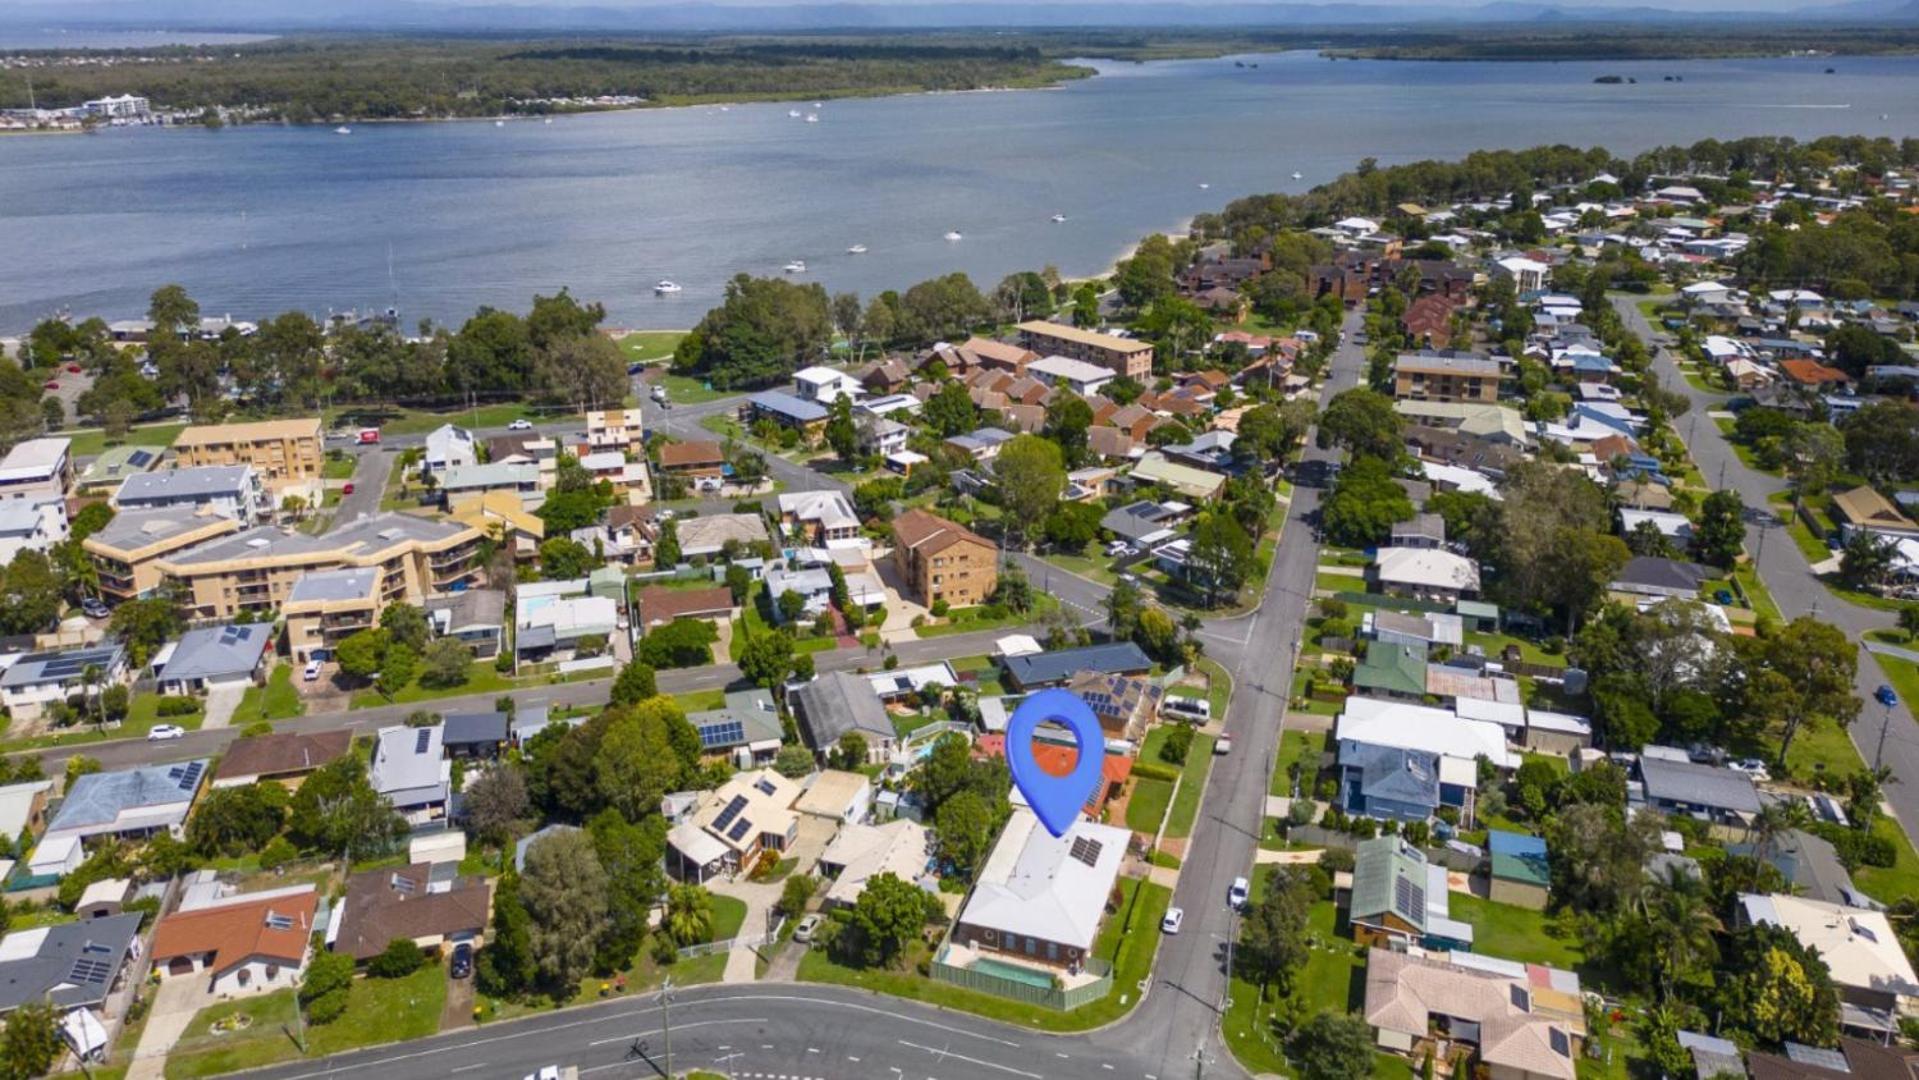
<point>1197,708</point>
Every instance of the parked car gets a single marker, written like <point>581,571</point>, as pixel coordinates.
<point>51,384</point>
<point>1885,696</point>
<point>1117,548</point>
<point>1238,893</point>
<point>522,424</point>
<point>73,369</point>
<point>803,933</point>
<point>1196,707</point>
<point>1223,746</point>
<point>95,608</point>
<point>312,673</point>
<point>1171,923</point>
<point>1752,767</point>
<point>462,960</point>
<point>347,489</point>
<point>369,436</point>
<point>163,732</point>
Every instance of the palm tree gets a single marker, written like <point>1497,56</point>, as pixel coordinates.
<point>1682,927</point>
<point>689,914</point>
<point>1776,819</point>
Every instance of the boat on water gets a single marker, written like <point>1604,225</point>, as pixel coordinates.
<point>794,113</point>
<point>548,120</point>
<point>1297,176</point>
<point>817,105</point>
<point>856,249</point>
<point>1059,219</point>
<point>343,131</point>
<point>499,123</point>
<point>797,266</point>
<point>953,234</point>
<point>664,287</point>
<point>1203,185</point>
<point>812,118</point>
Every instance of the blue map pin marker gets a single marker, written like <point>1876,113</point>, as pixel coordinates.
<point>1056,800</point>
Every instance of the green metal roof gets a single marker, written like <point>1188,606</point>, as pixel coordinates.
<point>1393,667</point>
<point>1389,878</point>
<point>1518,857</point>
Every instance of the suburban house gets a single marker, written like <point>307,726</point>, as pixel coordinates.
<point>251,942</point>
<point>629,480</point>
<point>411,772</point>
<point>110,469</point>
<point>1426,574</point>
<point>1058,758</point>
<point>1520,874</point>
<point>1647,575</point>
<point>1863,508</point>
<point>1040,897</point>
<point>1422,630</point>
<point>1370,725</point>
<point>859,853</point>
<point>36,679</point>
<point>621,430</point>
<point>73,965</point>
<point>1856,1059</point>
<point>473,735</point>
<point>749,814</point>
<point>460,482</point>
<point>448,446</point>
<point>840,703</point>
<point>820,519</point>
<point>806,417</point>
<point>748,725</point>
<point>27,526</point>
<point>693,460</point>
<point>1519,1021</point>
<point>1033,671</point>
<point>553,618</point>
<point>942,560</point>
<point>1422,531</point>
<point>1125,704</point>
<point>427,904</point>
<point>37,470</point>
<point>1392,669</point>
<point>23,807</point>
<point>286,452</point>
<point>475,618</point>
<point>284,757</point>
<point>1124,357</point>
<point>1859,945</point>
<point>659,605</point>
<point>215,658</point>
<point>826,385</point>
<point>709,534</point>
<point>1187,482</point>
<point>1398,899</point>
<point>234,491</point>
<point>1710,793</point>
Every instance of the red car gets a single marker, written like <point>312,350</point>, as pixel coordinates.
<point>73,369</point>
<point>52,384</point>
<point>348,489</point>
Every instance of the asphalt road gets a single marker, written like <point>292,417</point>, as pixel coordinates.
<point>1789,576</point>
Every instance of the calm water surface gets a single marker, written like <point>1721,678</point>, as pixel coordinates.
<point>441,218</point>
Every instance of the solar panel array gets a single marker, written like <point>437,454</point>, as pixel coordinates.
<point>721,734</point>
<point>1086,850</point>
<point>140,458</point>
<point>402,884</point>
<point>90,971</point>
<point>727,815</point>
<point>765,786</point>
<point>1409,899</point>
<point>277,921</point>
<point>188,775</point>
<point>739,829</point>
<point>422,740</point>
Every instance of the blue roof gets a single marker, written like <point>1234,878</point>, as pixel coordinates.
<point>1512,843</point>
<point>789,406</point>
<point>214,651</point>
<point>1039,669</point>
<point>98,799</point>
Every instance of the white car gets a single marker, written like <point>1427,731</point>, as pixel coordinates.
<point>1171,923</point>
<point>1237,894</point>
<point>312,673</point>
<point>522,424</point>
<point>1223,746</point>
<point>1752,767</point>
<point>803,933</point>
<point>163,732</point>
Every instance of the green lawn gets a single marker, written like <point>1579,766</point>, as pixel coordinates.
<point>724,426</point>
<point>1338,583</point>
<point>1529,651</point>
<point>728,914</point>
<point>1128,941</point>
<point>142,713</point>
<point>681,390</point>
<point>967,620</point>
<point>752,622</point>
<point>1219,687</point>
<point>1192,784</point>
<point>1888,884</point>
<point>1757,594</point>
<point>339,465</point>
<point>378,1011</point>
<point>701,700</point>
<point>94,443</point>
<point>1304,746</point>
<point>1147,807</point>
<point>646,346</point>
<point>1515,933</point>
<point>481,679</point>
<point>277,700</point>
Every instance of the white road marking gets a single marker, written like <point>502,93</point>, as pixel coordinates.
<point>944,1054</point>
<point>677,1027</point>
<point>812,1049</point>
<point>470,1068</point>
<point>1105,1066</point>
<point>852,1059</point>
<point>1057,1054</point>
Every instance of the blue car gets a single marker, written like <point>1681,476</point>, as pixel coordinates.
<point>1885,696</point>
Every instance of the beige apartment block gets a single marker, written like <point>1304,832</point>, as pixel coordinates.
<point>127,552</point>
<point>1122,356</point>
<point>286,452</point>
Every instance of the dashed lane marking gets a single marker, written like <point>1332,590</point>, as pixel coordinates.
<point>945,1054</point>
<point>677,1027</point>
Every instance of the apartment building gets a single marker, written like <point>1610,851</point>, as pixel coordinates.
<point>615,429</point>
<point>326,606</point>
<point>821,519</point>
<point>1445,378</point>
<point>126,553</point>
<point>234,491</point>
<point>942,560</point>
<point>286,452</point>
<point>1123,357</point>
<point>37,470</point>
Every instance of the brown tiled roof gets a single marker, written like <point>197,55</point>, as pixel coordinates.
<point>918,529</point>
<point>659,604</point>
<point>1109,441</point>
<point>1023,418</point>
<point>988,351</point>
<point>1103,407</point>
<point>680,455</point>
<point>1811,372</point>
<point>383,905</point>
<point>238,931</point>
<point>282,753</point>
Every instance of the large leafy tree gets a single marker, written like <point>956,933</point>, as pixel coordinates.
<point>631,854</point>
<point>1332,1046</point>
<point>1364,504</point>
<point>764,330</point>
<point>1364,422</point>
<point>31,1041</point>
<point>1720,537</point>
<point>1221,558</point>
<point>1032,475</point>
<point>336,810</point>
<point>889,913</point>
<point>1799,674</point>
<point>564,890</point>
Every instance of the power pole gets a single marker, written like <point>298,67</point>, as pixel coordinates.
<point>666,1025</point>
<point>1885,721</point>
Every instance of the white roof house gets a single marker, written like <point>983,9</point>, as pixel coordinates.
<point>825,384</point>
<point>1671,526</point>
<point>1407,726</point>
<point>1427,570</point>
<point>1037,885</point>
<point>1076,375</point>
<point>17,803</point>
<point>1858,944</point>
<point>859,853</point>
<point>1357,226</point>
<point>448,446</point>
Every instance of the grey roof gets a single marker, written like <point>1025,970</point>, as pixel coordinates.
<point>499,474</point>
<point>1698,785</point>
<point>785,404</point>
<point>1037,669</point>
<point>72,964</point>
<point>1388,772</point>
<point>213,651</point>
<point>468,729</point>
<point>98,799</point>
<point>131,529</point>
<point>175,485</point>
<point>61,666</point>
<point>365,536</point>
<point>1663,573</point>
<point>18,517</point>
<point>752,710</point>
<point>1462,365</point>
<point>837,703</point>
<point>1136,520</point>
<point>468,609</point>
<point>322,586</point>
<point>406,765</point>
<point>1423,526</point>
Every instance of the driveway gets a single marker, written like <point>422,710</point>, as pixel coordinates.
<point>174,1004</point>
<point>221,702</point>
